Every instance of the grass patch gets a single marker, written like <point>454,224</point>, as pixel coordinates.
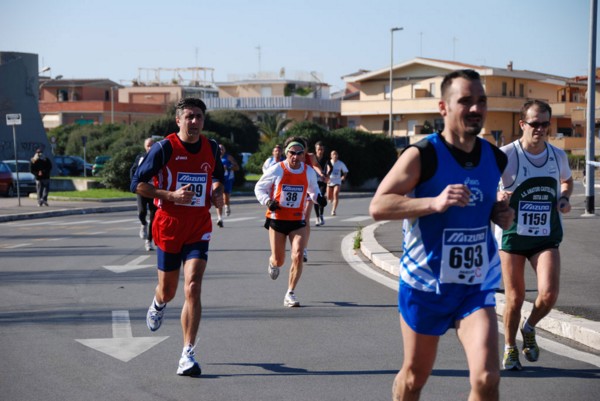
<point>96,193</point>
<point>357,238</point>
<point>253,177</point>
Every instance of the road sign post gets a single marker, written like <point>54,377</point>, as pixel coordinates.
<point>14,120</point>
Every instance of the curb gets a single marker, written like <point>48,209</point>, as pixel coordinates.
<point>66,212</point>
<point>92,209</point>
<point>580,330</point>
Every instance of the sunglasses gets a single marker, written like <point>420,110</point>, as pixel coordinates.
<point>296,153</point>
<point>536,124</point>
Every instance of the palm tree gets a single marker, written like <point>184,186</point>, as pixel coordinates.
<point>270,125</point>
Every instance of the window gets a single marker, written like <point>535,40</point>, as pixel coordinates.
<point>62,95</point>
<point>266,91</point>
<point>521,90</point>
<point>432,89</point>
<point>386,91</point>
<point>504,88</point>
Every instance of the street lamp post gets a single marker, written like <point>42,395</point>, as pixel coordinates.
<point>391,123</point>
<point>112,104</point>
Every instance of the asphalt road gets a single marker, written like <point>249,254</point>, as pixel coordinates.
<point>74,291</point>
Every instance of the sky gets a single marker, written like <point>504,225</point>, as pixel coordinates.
<point>91,39</point>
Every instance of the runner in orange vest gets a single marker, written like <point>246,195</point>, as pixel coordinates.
<point>284,188</point>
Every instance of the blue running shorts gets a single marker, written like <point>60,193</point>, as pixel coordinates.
<point>168,262</point>
<point>433,314</point>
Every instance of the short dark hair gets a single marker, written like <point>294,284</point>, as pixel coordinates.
<point>538,104</point>
<point>187,102</point>
<point>469,75</point>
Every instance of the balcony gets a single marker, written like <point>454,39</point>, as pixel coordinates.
<point>287,103</point>
<point>382,107</point>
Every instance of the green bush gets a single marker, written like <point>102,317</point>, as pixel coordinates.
<point>366,155</point>
<point>116,170</point>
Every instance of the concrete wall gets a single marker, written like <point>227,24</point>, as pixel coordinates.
<point>19,94</point>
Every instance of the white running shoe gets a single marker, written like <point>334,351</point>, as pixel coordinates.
<point>148,245</point>
<point>318,221</point>
<point>290,300</point>
<point>143,234</point>
<point>188,365</point>
<point>273,272</point>
<point>154,317</point>
<point>510,361</point>
<point>227,210</point>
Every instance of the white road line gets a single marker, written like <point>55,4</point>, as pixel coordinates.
<point>22,225</point>
<point>233,220</point>
<point>358,218</point>
<point>74,223</point>
<point>552,346</point>
<point>16,246</point>
<point>118,221</point>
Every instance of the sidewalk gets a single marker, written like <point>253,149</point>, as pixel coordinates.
<point>576,315</point>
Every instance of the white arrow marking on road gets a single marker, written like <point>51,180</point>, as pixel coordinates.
<point>123,346</point>
<point>133,265</point>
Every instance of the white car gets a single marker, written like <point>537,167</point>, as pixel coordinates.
<point>26,179</point>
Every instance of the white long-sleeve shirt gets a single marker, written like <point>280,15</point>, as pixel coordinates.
<point>271,178</point>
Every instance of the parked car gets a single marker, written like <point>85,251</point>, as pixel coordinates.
<point>26,179</point>
<point>99,162</point>
<point>72,166</point>
<point>6,180</point>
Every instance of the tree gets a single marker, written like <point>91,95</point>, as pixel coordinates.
<point>235,126</point>
<point>270,126</point>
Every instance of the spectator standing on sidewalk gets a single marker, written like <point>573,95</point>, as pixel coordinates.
<point>539,183</point>
<point>145,206</point>
<point>40,166</point>
<point>183,166</point>
<point>445,189</point>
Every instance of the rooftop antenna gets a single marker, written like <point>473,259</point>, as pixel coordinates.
<point>258,48</point>
<point>454,40</point>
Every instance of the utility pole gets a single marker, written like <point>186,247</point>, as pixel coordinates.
<point>590,115</point>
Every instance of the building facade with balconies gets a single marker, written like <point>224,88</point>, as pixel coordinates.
<point>416,91</point>
<point>89,101</point>
<point>303,98</point>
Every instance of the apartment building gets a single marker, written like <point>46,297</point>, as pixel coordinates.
<point>415,93</point>
<point>88,101</point>
<point>302,97</point>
